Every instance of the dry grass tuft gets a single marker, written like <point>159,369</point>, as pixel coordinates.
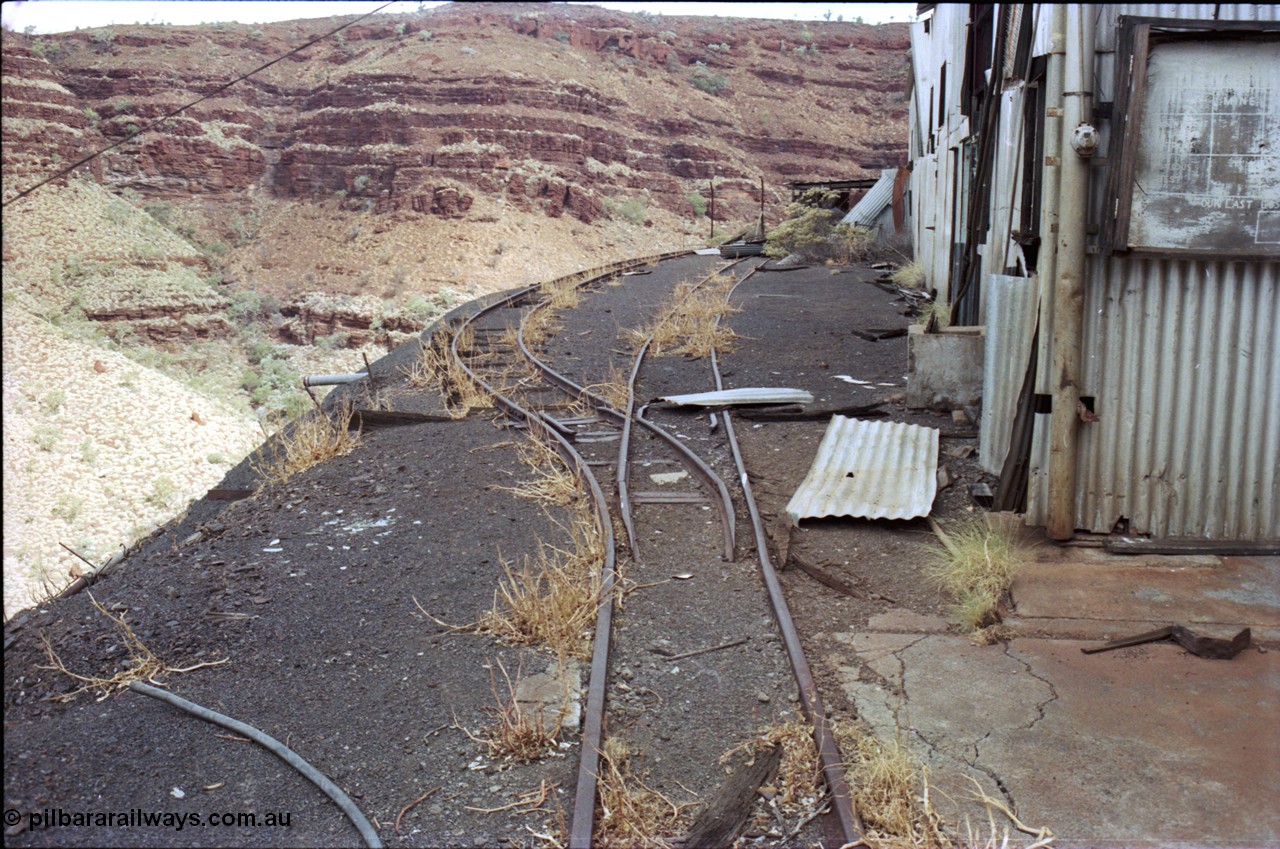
<point>554,482</point>
<point>909,276</point>
<point>141,665</point>
<point>691,327</point>
<point>976,565</point>
<point>934,310</point>
<point>432,363</point>
<point>632,814</point>
<point>891,793</point>
<point>553,598</point>
<point>563,294</point>
<point>613,389</point>
<point>516,734</point>
<point>308,440</point>
<point>1000,839</point>
<point>799,780</point>
<point>436,367</point>
<point>539,326</point>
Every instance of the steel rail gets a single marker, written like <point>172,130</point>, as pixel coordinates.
<point>624,419</point>
<point>810,702</point>
<point>583,817</point>
<point>728,518</point>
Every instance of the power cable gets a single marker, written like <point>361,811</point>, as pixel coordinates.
<point>179,111</point>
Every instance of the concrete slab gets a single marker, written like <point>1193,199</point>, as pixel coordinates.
<point>1211,594</point>
<point>1148,746</point>
<point>899,619</point>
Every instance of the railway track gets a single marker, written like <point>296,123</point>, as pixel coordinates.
<point>667,674</point>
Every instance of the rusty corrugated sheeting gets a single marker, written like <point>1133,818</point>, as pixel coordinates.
<point>1011,322</point>
<point>872,470</point>
<point>1183,361</point>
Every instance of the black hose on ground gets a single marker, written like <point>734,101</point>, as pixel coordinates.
<point>333,791</point>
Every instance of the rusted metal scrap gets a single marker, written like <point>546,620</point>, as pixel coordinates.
<point>1214,648</point>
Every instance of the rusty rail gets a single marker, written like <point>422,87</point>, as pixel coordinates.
<point>624,419</point>
<point>583,816</point>
<point>810,702</point>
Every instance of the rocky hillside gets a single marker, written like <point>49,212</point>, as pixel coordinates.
<point>330,205</point>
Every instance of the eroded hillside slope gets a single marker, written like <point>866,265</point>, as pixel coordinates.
<point>331,205</point>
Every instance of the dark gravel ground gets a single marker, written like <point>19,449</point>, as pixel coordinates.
<point>308,590</point>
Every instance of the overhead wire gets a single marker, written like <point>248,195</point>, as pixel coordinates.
<point>199,100</point>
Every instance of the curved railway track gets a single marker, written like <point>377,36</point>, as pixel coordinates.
<point>601,444</point>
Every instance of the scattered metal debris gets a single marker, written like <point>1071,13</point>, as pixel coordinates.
<point>1214,648</point>
<point>745,395</point>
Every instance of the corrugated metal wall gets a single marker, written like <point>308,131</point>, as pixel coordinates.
<point>1183,361</point>
<point>1181,357</point>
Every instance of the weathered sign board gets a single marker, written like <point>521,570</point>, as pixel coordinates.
<point>1198,144</point>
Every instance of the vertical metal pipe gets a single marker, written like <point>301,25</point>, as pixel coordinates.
<point>1068,282</point>
<point>711,216</point>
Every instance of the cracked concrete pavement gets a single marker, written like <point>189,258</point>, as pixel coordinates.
<point>1144,746</point>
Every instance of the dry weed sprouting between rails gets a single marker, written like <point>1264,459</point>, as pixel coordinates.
<point>631,814</point>
<point>436,367</point>
<point>308,440</point>
<point>540,325</point>
<point>975,566</point>
<point>797,787</point>
<point>891,792</point>
<point>554,482</point>
<point>141,665</point>
<point>691,325</point>
<point>564,293</point>
<point>516,734</point>
<point>553,597</point>
<point>613,389</point>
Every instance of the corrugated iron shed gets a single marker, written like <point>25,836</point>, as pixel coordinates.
<point>869,211</point>
<point>871,470</point>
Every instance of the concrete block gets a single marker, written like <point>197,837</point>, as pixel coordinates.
<point>944,369</point>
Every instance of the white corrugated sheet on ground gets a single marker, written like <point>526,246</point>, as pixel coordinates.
<point>872,470</point>
<point>745,395</point>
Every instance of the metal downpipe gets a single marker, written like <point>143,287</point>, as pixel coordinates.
<point>1074,23</point>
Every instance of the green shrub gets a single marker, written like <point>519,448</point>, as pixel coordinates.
<point>46,437</point>
<point>53,399</point>
<point>708,81</point>
<point>162,492</point>
<point>216,250</point>
<point>161,211</point>
<point>699,204</point>
<point>807,228</point>
<point>401,28</point>
<point>631,210</point>
<point>67,508</point>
